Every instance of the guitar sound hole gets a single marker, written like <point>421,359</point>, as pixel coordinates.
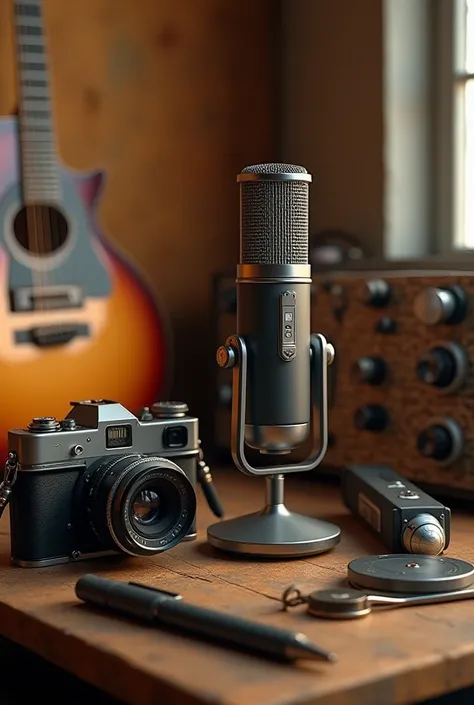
<point>40,230</point>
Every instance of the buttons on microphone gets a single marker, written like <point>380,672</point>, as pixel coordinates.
<point>288,325</point>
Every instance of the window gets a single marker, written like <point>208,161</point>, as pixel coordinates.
<point>462,135</point>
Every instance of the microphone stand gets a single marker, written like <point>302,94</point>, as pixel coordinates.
<point>274,531</point>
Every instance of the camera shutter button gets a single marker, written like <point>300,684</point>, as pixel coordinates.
<point>44,424</point>
<point>169,409</point>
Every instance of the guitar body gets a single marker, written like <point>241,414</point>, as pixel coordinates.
<point>76,323</point>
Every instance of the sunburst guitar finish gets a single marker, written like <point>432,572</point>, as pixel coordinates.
<point>76,320</point>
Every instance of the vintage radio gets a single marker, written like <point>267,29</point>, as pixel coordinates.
<point>402,385</point>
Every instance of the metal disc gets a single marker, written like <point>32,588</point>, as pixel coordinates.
<point>410,573</point>
<point>339,603</point>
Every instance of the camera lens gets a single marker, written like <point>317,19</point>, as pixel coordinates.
<point>146,507</point>
<point>175,437</point>
<point>139,505</point>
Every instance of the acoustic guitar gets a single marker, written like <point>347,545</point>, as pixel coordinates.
<point>77,320</point>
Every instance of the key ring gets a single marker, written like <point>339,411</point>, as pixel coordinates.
<point>350,603</point>
<point>292,597</point>
<point>330,603</point>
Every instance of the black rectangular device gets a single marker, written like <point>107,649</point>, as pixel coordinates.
<point>406,519</point>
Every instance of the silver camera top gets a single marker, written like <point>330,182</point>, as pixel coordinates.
<point>101,427</point>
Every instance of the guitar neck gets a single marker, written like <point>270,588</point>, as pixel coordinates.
<point>40,177</point>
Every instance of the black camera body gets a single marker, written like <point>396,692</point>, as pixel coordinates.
<point>103,481</point>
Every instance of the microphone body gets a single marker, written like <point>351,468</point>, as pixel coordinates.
<point>273,317</point>
<point>273,305</point>
<point>279,369</point>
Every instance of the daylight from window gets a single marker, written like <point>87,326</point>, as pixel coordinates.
<point>465,137</point>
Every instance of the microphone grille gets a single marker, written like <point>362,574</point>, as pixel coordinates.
<point>274,218</point>
<point>274,168</point>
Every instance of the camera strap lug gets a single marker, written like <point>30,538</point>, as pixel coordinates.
<point>206,481</point>
<point>9,479</point>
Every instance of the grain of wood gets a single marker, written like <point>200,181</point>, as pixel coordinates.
<point>393,658</point>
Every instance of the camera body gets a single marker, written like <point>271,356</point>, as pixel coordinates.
<point>103,481</point>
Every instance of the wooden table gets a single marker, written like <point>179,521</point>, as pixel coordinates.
<point>392,657</point>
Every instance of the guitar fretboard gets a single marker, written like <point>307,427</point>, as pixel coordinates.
<point>40,176</point>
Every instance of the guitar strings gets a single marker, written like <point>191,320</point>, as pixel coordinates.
<point>26,145</point>
<point>39,225</point>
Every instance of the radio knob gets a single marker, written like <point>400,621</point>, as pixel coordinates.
<point>369,370</point>
<point>443,441</point>
<point>433,306</point>
<point>377,293</point>
<point>437,368</point>
<point>435,442</point>
<point>371,417</point>
<point>445,366</point>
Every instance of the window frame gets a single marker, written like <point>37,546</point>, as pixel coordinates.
<point>449,78</point>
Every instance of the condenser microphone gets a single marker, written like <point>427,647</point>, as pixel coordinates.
<point>273,304</point>
<point>279,368</point>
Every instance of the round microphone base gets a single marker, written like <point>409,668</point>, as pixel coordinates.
<point>274,532</point>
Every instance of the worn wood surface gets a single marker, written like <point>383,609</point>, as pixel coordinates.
<point>393,657</point>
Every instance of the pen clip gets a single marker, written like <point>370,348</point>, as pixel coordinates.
<point>165,593</point>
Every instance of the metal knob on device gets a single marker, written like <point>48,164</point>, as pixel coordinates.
<point>435,305</point>
<point>435,442</point>
<point>369,370</point>
<point>44,424</point>
<point>377,293</point>
<point>442,440</point>
<point>444,367</point>
<point>331,353</point>
<point>424,534</point>
<point>371,417</point>
<point>226,356</point>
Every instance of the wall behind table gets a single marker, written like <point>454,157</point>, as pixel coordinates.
<point>332,111</point>
<point>172,98</point>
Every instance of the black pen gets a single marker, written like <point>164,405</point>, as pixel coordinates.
<point>167,608</point>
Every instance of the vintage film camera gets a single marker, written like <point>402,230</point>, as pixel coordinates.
<point>402,384</point>
<point>102,481</point>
